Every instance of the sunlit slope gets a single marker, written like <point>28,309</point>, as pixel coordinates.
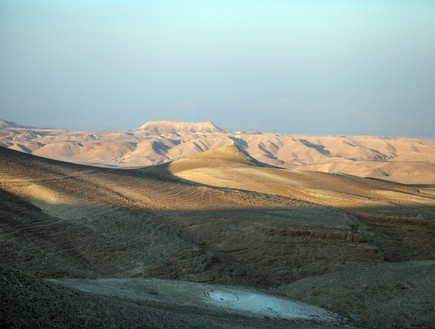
<point>391,212</point>
<point>265,227</point>
<point>232,167</point>
<point>399,159</point>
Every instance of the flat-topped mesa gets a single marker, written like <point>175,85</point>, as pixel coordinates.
<point>175,127</point>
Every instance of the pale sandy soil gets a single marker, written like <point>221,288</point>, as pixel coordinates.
<point>218,218</point>
<point>399,159</point>
<point>224,299</point>
<point>30,302</point>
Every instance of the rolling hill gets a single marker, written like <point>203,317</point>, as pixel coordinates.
<point>400,159</point>
<point>220,217</point>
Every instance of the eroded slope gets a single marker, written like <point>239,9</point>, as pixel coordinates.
<point>219,217</point>
<point>400,159</point>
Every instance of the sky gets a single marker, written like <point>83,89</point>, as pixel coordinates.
<point>341,67</point>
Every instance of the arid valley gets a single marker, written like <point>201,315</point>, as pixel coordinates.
<point>342,226</point>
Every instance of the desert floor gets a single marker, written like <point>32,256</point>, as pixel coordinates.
<point>101,248</point>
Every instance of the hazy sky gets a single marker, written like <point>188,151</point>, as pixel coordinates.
<point>316,67</point>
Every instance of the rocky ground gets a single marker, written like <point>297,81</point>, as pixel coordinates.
<point>29,302</point>
<point>354,246</point>
<point>389,295</point>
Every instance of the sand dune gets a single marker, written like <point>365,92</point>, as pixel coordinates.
<point>400,159</point>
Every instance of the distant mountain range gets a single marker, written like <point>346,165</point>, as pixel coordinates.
<point>400,159</point>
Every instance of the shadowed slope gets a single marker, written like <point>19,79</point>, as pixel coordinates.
<point>401,159</point>
<point>390,213</point>
<point>233,168</point>
<point>219,217</point>
<point>148,223</point>
<point>29,302</point>
<point>403,293</point>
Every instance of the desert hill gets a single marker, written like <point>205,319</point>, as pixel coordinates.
<point>8,124</point>
<point>175,127</point>
<point>220,157</point>
<point>219,217</point>
<point>400,159</point>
